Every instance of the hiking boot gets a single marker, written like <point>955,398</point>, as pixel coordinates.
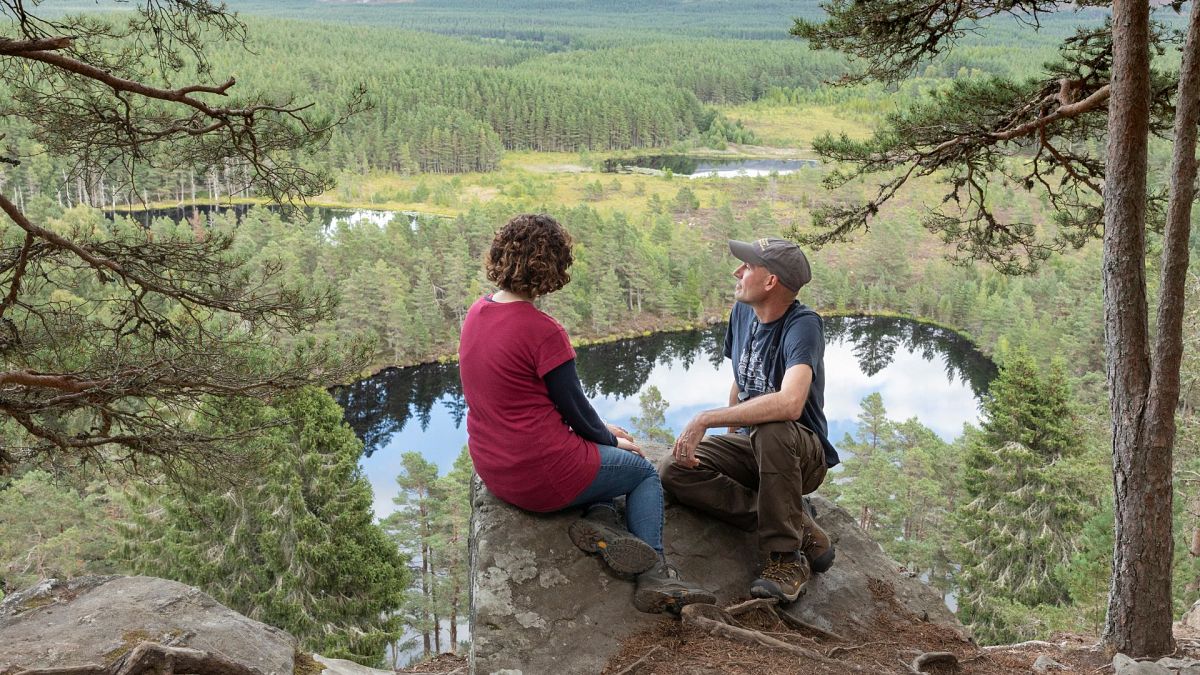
<point>815,544</point>
<point>601,531</point>
<point>783,578</point>
<point>659,589</point>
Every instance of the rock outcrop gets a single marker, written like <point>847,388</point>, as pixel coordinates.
<point>1123,665</point>
<point>96,620</point>
<point>1190,621</point>
<point>539,605</point>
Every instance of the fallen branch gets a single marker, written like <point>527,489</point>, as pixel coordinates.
<point>694,616</point>
<point>751,605</point>
<point>790,634</point>
<point>788,619</point>
<point>849,648</point>
<point>628,670</point>
<point>1022,645</point>
<point>793,622</point>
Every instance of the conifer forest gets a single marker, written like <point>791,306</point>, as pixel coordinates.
<point>966,175</point>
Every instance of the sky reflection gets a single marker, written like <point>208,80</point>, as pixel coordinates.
<point>915,383</point>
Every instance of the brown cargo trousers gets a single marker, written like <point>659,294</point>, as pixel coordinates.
<point>755,483</point>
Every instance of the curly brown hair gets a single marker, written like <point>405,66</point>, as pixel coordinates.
<point>530,256</point>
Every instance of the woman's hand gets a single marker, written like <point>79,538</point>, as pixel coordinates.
<point>619,432</point>
<point>626,443</point>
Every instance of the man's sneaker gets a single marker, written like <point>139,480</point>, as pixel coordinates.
<point>783,578</point>
<point>815,545</point>
<point>601,531</point>
<point>659,589</point>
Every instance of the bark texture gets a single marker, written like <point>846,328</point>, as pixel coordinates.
<point>1141,582</point>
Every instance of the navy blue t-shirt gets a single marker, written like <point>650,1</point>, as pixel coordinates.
<point>761,353</point>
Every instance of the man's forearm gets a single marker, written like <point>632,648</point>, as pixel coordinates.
<point>774,407</point>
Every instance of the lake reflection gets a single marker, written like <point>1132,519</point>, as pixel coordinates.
<point>330,218</point>
<point>920,371</point>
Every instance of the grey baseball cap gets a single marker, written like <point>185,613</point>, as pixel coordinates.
<point>781,257</point>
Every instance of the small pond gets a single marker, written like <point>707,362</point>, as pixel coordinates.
<point>330,218</point>
<point>707,167</point>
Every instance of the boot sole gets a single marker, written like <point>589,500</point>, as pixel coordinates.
<point>769,590</point>
<point>671,602</point>
<point>823,562</point>
<point>624,554</point>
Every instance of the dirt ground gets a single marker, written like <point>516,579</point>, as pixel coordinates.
<point>891,645</point>
<point>674,647</point>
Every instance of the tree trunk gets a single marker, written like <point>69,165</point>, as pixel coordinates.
<point>437,633</point>
<point>426,607</point>
<point>1139,605</point>
<point>454,621</point>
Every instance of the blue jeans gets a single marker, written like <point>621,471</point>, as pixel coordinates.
<point>624,473</point>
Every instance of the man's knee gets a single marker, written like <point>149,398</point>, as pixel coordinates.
<point>669,473</point>
<point>783,432</point>
<point>773,440</point>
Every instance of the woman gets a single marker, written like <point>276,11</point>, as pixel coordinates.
<point>536,441</point>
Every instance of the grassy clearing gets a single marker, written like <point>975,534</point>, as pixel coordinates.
<point>797,126</point>
<point>524,180</point>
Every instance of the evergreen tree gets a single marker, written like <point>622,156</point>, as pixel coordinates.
<point>297,548</point>
<point>50,528</point>
<point>869,470</point>
<point>1023,508</point>
<point>978,131</point>
<point>412,526</point>
<point>452,523</point>
<point>926,493</point>
<point>652,423</point>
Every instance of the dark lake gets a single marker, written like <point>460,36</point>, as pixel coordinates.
<point>920,371</point>
<point>709,167</point>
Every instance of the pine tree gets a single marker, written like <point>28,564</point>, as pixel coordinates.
<point>452,517</point>
<point>50,528</point>
<point>869,470</point>
<point>928,486</point>
<point>652,423</point>
<point>412,526</point>
<point>297,548</point>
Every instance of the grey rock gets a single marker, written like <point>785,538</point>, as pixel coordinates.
<point>1178,664</point>
<point>854,592</point>
<point>1191,618</point>
<point>539,605</point>
<point>1045,664</point>
<point>93,620</point>
<point>1124,665</point>
<point>344,667</point>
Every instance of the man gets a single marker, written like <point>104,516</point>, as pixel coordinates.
<point>776,450</point>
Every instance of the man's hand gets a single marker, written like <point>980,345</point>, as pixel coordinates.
<point>684,450</point>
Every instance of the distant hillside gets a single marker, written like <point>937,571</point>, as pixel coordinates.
<point>561,22</point>
<point>756,19</point>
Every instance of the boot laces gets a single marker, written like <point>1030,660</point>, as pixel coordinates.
<point>781,570</point>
